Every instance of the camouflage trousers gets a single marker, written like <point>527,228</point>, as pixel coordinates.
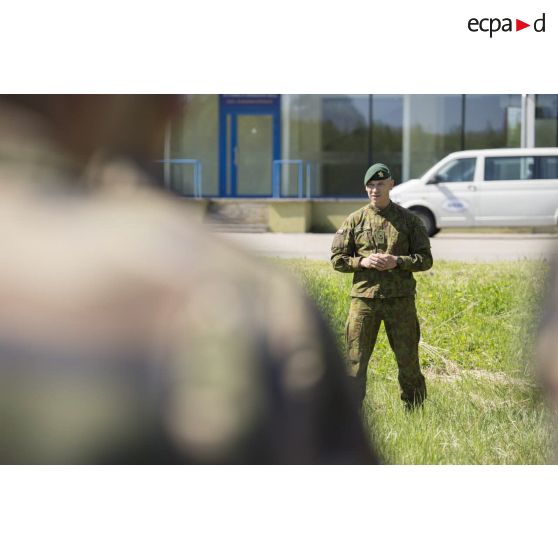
<point>401,323</point>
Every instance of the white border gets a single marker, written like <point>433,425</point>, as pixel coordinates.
<point>278,512</point>
<point>250,46</point>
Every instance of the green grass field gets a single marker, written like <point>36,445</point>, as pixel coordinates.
<point>478,324</point>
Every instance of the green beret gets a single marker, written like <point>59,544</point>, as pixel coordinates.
<point>377,171</point>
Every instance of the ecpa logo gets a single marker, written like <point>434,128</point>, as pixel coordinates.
<point>494,24</point>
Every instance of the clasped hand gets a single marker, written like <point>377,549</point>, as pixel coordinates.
<point>381,262</point>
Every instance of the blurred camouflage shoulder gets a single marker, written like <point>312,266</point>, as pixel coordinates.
<point>171,345</point>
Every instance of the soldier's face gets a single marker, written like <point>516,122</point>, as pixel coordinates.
<point>378,192</point>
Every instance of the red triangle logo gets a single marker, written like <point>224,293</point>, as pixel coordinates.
<point>519,25</point>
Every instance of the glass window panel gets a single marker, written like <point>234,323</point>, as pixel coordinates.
<point>302,136</point>
<point>182,179</point>
<point>548,167</point>
<point>458,170</point>
<point>195,135</point>
<point>345,123</point>
<point>292,179</point>
<point>435,130</point>
<point>387,132</point>
<point>509,168</point>
<point>332,133</point>
<point>343,180</point>
<point>546,120</point>
<point>345,143</point>
<point>492,121</point>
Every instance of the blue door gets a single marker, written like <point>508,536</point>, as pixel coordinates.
<point>249,137</point>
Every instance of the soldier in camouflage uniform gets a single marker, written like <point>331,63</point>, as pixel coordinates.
<point>383,244</point>
<point>128,334</point>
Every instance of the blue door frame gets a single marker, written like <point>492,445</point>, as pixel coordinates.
<point>234,105</point>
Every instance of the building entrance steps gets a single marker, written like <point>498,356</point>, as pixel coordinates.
<point>238,212</point>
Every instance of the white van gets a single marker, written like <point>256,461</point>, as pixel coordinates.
<point>486,188</point>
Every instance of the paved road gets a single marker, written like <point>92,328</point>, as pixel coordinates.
<point>469,247</point>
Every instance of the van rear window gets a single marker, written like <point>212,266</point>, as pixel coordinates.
<point>547,167</point>
<point>520,168</point>
<point>509,168</point>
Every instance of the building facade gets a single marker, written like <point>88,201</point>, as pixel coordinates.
<point>318,146</point>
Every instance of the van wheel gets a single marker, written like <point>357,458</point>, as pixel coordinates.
<point>427,219</point>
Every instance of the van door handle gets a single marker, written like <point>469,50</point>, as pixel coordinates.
<point>472,187</point>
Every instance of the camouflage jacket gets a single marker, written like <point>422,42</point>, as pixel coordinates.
<point>392,230</point>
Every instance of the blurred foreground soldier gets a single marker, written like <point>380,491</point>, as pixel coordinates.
<point>127,334</point>
<point>383,244</point>
<point>547,341</point>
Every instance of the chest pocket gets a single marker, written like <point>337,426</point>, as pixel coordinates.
<point>385,239</point>
<point>381,238</point>
<point>363,237</point>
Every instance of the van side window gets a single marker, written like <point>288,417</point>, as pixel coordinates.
<point>458,170</point>
<point>547,167</point>
<point>509,168</point>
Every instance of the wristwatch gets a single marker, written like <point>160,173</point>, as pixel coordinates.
<point>399,261</point>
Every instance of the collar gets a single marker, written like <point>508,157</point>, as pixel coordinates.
<point>383,211</point>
